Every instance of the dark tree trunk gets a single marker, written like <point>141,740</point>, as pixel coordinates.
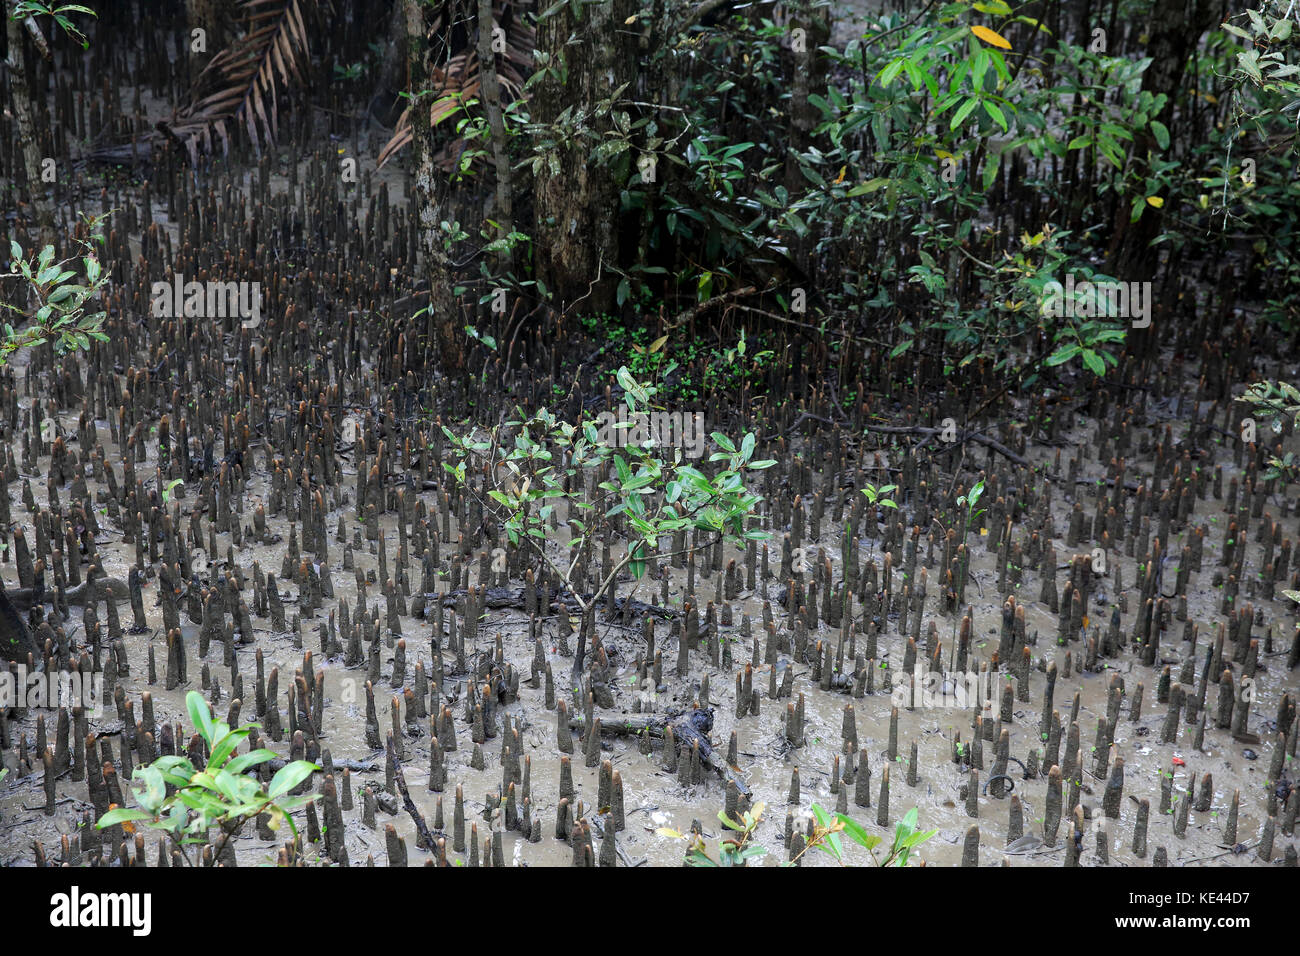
<point>576,198</point>
<point>809,77</point>
<point>213,17</point>
<point>386,105</point>
<point>1176,28</point>
<point>423,21</point>
<point>503,212</point>
<point>24,110</point>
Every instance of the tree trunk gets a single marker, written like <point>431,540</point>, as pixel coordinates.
<point>423,20</point>
<point>491,88</point>
<point>386,105</point>
<point>809,77</point>
<point>1176,28</point>
<point>576,197</point>
<point>24,110</point>
<point>213,18</point>
<point>813,30</point>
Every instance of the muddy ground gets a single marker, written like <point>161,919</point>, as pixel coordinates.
<point>653,796</point>
<point>1171,419</point>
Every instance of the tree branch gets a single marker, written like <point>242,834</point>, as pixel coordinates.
<point>422,828</point>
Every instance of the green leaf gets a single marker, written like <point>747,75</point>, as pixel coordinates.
<point>918,838</point>
<point>1063,355</point>
<point>963,111</point>
<point>724,442</point>
<point>200,715</point>
<point>175,769</point>
<point>890,72</point>
<point>155,788</point>
<point>621,466</point>
<point>250,759</point>
<point>997,115</point>
<point>289,776</point>
<point>226,786</point>
<point>293,803</point>
<point>1161,133</point>
<point>857,832</point>
<point>121,815</point>
<point>991,171</point>
<point>870,186</point>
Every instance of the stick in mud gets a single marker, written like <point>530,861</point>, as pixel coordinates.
<point>427,840</point>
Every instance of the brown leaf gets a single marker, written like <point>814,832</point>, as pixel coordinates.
<point>240,80</point>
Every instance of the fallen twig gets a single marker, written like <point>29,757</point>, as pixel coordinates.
<point>964,435</point>
<point>422,828</point>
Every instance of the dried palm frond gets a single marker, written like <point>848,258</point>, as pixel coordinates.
<point>239,87</point>
<point>458,82</point>
<point>402,135</point>
<point>452,88</point>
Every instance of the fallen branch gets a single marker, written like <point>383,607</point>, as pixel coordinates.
<point>599,823</point>
<point>355,766</point>
<point>687,729</point>
<point>1109,482</point>
<point>805,416</point>
<point>695,311</point>
<point>422,828</point>
<point>962,436</point>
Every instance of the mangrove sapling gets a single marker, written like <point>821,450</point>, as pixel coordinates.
<point>170,489</point>
<point>56,298</point>
<point>733,851</point>
<point>826,838</point>
<point>222,794</point>
<point>1278,399</point>
<point>968,502</point>
<point>535,461</point>
<point>878,496</point>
